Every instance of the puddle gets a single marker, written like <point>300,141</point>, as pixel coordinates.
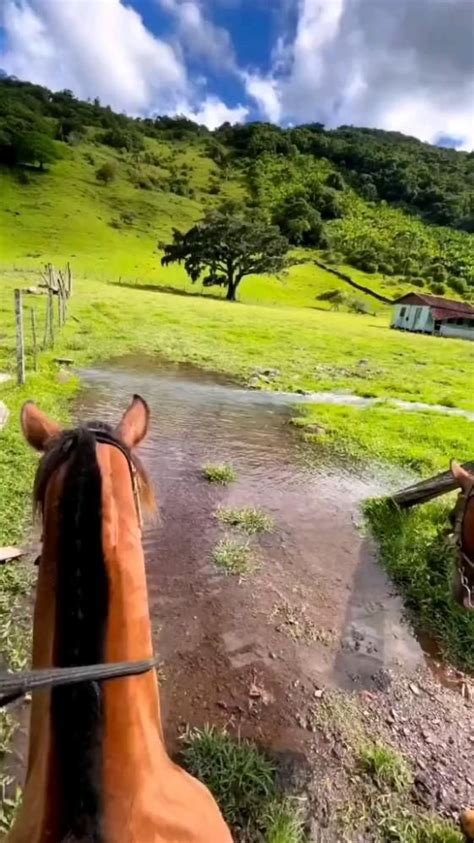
<point>229,655</point>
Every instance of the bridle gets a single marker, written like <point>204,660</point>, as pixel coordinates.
<point>464,563</point>
<point>14,686</point>
<point>105,437</point>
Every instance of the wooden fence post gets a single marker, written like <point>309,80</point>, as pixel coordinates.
<point>51,318</point>
<point>46,325</point>
<point>33,336</point>
<point>20,343</point>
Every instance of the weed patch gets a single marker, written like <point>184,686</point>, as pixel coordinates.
<point>234,557</point>
<point>248,519</point>
<point>294,622</point>
<point>219,473</point>
<point>386,767</point>
<point>284,823</point>
<point>241,778</point>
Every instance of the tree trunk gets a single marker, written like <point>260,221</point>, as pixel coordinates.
<point>231,288</point>
<point>232,284</point>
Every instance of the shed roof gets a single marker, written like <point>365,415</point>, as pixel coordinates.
<point>441,308</point>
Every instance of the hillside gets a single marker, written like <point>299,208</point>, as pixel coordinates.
<point>167,171</point>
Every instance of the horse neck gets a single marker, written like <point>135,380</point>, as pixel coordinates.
<point>131,705</point>
<point>129,633</point>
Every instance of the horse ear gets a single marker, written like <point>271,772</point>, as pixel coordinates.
<point>461,476</point>
<point>37,428</point>
<point>135,422</point>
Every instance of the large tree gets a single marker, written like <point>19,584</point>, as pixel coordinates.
<point>227,246</point>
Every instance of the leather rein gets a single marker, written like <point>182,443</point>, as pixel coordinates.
<point>14,686</point>
<point>464,562</point>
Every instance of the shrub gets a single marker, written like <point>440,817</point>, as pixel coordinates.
<point>107,172</point>
<point>121,139</point>
<point>335,181</point>
<point>437,288</point>
<point>458,285</point>
<point>359,306</point>
<point>143,182</point>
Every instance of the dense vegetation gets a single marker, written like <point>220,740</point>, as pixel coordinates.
<point>378,201</point>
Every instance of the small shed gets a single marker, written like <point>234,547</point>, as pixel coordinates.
<point>436,315</point>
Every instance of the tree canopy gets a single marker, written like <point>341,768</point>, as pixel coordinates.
<point>299,222</point>
<point>227,247</point>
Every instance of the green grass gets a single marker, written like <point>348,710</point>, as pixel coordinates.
<point>422,441</point>
<point>415,551</point>
<point>234,557</point>
<point>219,473</point>
<point>238,774</point>
<point>405,827</point>
<point>249,519</point>
<point>386,767</point>
<point>284,823</point>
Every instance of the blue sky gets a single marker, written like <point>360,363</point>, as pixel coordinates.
<point>406,65</point>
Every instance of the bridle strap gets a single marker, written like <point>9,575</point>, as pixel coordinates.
<point>14,686</point>
<point>105,438</point>
<point>464,561</point>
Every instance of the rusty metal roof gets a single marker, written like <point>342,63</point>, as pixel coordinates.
<point>441,308</point>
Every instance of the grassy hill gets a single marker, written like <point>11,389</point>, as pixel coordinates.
<point>167,172</point>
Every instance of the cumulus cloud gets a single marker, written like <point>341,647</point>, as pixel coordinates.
<point>95,48</point>
<point>199,36</point>
<point>406,65</point>
<point>266,93</point>
<point>213,113</point>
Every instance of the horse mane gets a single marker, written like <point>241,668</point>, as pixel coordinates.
<point>82,604</point>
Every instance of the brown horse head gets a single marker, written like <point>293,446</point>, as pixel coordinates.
<point>463,523</point>
<point>98,770</point>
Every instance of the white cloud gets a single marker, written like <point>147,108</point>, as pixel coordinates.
<point>406,65</point>
<point>96,48</point>
<point>266,94</point>
<point>213,112</point>
<point>199,36</point>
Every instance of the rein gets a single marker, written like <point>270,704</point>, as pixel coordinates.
<point>464,563</point>
<point>14,686</point>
